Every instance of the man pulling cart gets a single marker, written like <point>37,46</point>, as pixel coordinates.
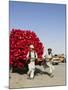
<point>32,55</point>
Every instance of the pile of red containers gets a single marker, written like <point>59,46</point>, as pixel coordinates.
<point>20,40</point>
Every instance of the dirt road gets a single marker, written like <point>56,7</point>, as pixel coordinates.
<point>41,78</point>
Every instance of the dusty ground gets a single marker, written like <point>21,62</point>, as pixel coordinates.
<point>41,78</point>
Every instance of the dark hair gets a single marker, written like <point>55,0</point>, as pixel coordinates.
<point>49,49</point>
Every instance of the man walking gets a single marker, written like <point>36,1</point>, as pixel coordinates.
<point>48,59</point>
<point>32,55</point>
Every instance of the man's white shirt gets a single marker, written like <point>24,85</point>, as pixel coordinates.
<point>33,54</point>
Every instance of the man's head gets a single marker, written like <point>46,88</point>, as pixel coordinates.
<point>31,47</point>
<point>49,50</point>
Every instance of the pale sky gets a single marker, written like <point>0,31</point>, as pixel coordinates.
<point>46,20</point>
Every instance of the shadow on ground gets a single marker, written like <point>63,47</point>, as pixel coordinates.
<point>38,71</point>
<point>25,70</point>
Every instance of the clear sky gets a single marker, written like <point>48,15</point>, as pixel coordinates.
<point>46,20</point>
